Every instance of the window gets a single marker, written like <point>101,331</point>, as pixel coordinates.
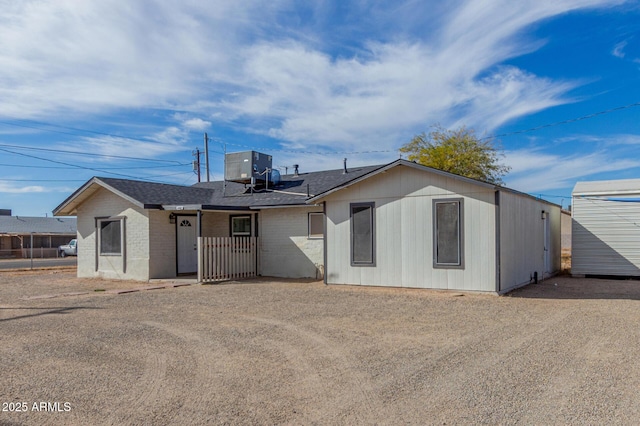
<point>111,236</point>
<point>240,226</point>
<point>362,234</point>
<point>448,233</point>
<point>316,225</point>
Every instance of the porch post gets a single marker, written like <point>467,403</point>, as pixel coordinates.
<point>200,261</point>
<point>200,253</point>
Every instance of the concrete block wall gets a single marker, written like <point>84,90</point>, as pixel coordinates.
<point>286,250</point>
<point>215,224</point>
<point>134,263</point>
<point>162,245</point>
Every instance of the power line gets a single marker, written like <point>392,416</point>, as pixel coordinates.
<point>43,180</point>
<point>76,165</point>
<point>103,168</point>
<point>63,151</point>
<point>532,129</point>
<point>80,130</point>
<point>307,152</point>
<point>558,123</point>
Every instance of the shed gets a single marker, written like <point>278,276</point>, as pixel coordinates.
<point>606,228</point>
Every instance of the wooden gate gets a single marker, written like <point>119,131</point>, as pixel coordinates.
<point>227,258</point>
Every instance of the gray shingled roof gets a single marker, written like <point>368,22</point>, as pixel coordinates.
<point>157,194</point>
<point>21,225</point>
<point>292,190</point>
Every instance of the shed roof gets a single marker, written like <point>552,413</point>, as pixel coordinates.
<point>607,187</point>
<point>22,225</point>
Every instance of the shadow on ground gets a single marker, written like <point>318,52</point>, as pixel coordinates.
<point>45,311</point>
<point>581,288</point>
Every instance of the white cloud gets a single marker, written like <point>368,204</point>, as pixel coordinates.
<point>618,50</point>
<point>534,170</point>
<point>167,141</point>
<point>196,124</point>
<point>6,187</point>
<point>275,71</point>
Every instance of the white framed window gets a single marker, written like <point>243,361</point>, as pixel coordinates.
<point>241,226</point>
<point>316,225</point>
<point>111,236</point>
<point>448,235</point>
<point>363,250</point>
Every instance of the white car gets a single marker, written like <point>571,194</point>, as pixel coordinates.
<point>70,249</point>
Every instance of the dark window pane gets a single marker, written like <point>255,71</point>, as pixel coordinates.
<point>110,237</point>
<point>362,228</point>
<point>316,225</point>
<point>448,233</point>
<point>241,226</point>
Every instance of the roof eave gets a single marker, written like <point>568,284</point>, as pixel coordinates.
<point>399,162</point>
<point>62,210</point>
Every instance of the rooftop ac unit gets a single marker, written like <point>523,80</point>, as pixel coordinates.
<point>242,166</point>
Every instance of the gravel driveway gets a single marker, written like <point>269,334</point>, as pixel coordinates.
<point>270,352</point>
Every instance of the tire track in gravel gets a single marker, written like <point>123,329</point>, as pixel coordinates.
<point>460,369</point>
<point>205,373</point>
<point>146,392</point>
<point>335,401</point>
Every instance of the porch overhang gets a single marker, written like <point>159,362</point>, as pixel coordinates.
<point>203,208</point>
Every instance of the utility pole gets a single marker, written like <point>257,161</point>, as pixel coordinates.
<point>224,176</point>
<point>196,163</point>
<point>206,154</point>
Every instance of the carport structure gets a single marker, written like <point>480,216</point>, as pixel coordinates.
<point>22,236</point>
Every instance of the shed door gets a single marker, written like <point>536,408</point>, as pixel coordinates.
<point>547,244</point>
<point>187,245</point>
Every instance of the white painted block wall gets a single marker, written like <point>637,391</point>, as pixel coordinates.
<point>106,204</point>
<point>286,250</point>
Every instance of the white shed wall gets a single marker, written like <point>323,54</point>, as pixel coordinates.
<point>605,237</point>
<point>285,248</point>
<point>136,257</point>
<point>522,237</point>
<point>403,199</point>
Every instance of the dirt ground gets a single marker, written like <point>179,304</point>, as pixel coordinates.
<point>564,351</point>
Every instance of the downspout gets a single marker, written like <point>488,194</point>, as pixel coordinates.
<point>258,245</point>
<point>96,259</point>
<point>199,254</point>
<point>497,221</point>
<point>324,241</point>
<point>199,224</point>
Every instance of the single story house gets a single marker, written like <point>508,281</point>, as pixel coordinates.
<point>606,228</point>
<point>19,234</point>
<point>398,224</point>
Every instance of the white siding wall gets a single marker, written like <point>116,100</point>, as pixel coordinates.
<point>565,232</point>
<point>605,237</point>
<point>285,249</point>
<point>106,204</point>
<point>522,240</point>
<point>403,200</point>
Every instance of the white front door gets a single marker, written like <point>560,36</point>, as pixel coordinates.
<point>187,245</point>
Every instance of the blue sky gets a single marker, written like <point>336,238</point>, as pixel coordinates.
<point>84,84</point>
